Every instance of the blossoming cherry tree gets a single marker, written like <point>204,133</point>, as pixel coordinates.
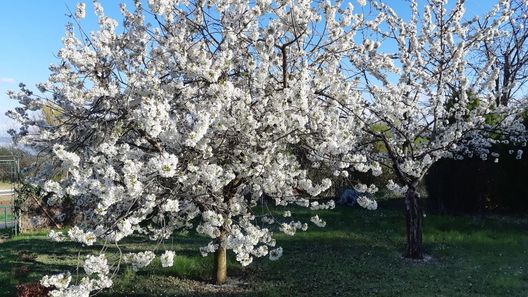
<point>423,100</point>
<point>186,118</point>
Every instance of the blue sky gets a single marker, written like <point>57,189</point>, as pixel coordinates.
<point>31,32</point>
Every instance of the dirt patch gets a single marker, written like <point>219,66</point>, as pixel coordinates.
<point>234,286</point>
<point>426,259</point>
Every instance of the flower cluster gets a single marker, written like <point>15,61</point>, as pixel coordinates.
<point>76,234</point>
<point>97,271</point>
<point>317,221</point>
<point>59,281</point>
<point>395,188</point>
<point>139,260</point>
<point>367,203</point>
<point>167,259</point>
<point>56,236</point>
<point>96,265</point>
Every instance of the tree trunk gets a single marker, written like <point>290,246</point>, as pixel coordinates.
<point>413,217</point>
<point>220,268</point>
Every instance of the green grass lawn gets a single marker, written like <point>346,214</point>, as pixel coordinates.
<point>357,254</point>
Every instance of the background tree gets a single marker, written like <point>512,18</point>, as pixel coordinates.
<point>409,71</point>
<point>501,183</point>
<point>509,53</point>
<point>187,118</point>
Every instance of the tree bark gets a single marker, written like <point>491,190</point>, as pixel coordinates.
<point>413,217</point>
<point>220,262</point>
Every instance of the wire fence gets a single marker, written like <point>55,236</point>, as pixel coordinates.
<point>9,183</point>
<point>7,217</point>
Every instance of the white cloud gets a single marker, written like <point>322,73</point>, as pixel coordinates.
<point>7,80</point>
